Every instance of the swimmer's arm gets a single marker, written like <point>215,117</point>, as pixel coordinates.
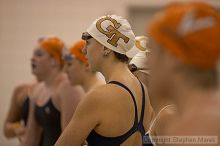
<point>12,120</point>
<point>69,99</point>
<point>33,130</point>
<point>85,119</point>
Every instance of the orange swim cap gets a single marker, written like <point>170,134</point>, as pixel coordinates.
<point>54,46</point>
<point>190,31</point>
<point>77,51</point>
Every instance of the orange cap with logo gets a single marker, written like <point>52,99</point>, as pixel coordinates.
<point>77,51</point>
<point>54,46</point>
<point>190,31</point>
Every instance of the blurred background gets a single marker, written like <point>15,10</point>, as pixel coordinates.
<point>22,22</point>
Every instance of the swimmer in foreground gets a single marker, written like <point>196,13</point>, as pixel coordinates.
<point>116,113</point>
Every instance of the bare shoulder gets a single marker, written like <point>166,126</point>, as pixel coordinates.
<point>25,86</point>
<point>99,96</point>
<point>104,92</point>
<point>170,110</point>
<point>166,117</point>
<point>96,93</point>
<point>21,88</point>
<point>168,113</point>
<point>91,105</point>
<point>20,92</point>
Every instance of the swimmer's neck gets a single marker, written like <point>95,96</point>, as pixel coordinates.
<point>114,71</point>
<point>53,77</point>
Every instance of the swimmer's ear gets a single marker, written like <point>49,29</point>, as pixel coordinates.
<point>106,51</point>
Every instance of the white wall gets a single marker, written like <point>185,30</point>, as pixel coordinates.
<point>23,21</point>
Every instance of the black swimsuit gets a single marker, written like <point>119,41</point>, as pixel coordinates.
<point>95,139</point>
<point>25,110</point>
<point>49,118</point>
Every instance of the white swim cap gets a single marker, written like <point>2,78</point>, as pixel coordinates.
<point>140,45</point>
<point>114,32</point>
<point>140,54</point>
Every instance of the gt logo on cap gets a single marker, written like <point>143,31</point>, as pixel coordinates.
<point>113,34</point>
